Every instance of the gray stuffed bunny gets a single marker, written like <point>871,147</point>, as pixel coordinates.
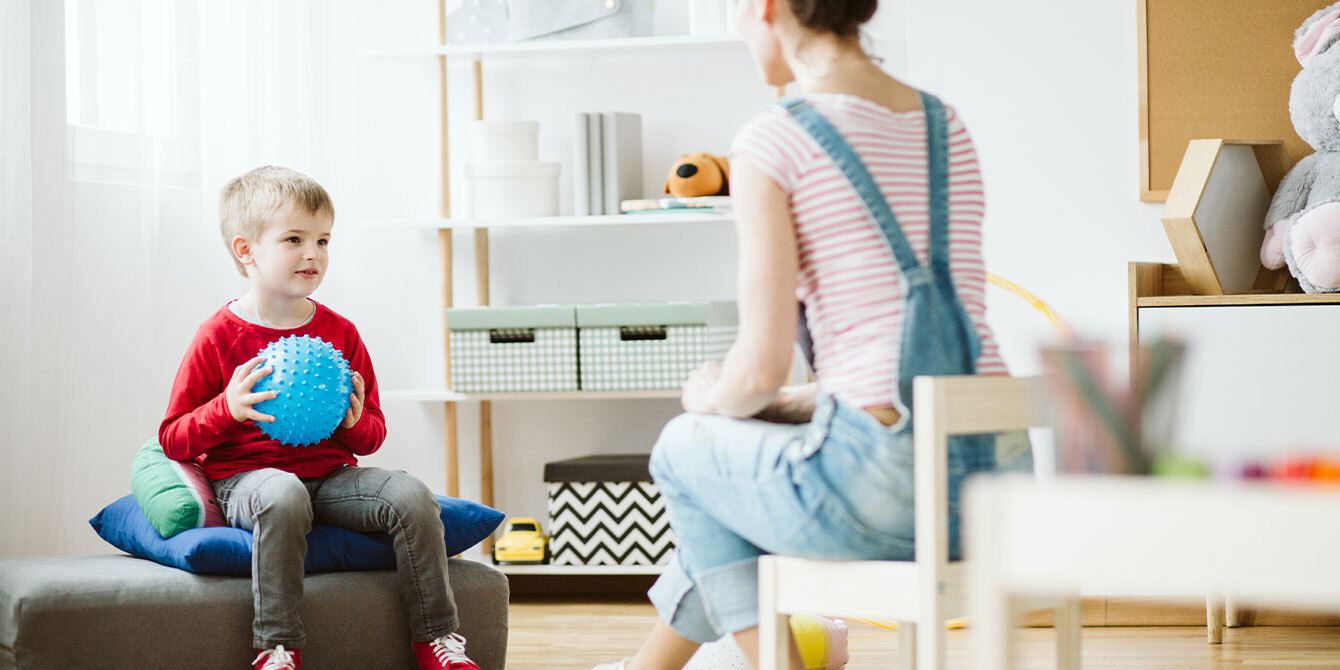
<point>1303,223</point>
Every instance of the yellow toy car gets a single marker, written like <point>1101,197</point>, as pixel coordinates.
<point>522,542</point>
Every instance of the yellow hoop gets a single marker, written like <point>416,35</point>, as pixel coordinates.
<point>1030,299</point>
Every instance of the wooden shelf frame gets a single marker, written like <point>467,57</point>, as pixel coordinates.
<point>1163,285</point>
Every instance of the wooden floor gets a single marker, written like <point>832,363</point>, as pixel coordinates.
<point>558,636</point>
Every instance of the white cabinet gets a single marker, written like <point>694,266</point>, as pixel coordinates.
<point>1261,370</point>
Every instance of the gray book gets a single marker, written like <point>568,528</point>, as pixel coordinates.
<point>622,158</point>
<point>581,166</point>
<point>595,173</point>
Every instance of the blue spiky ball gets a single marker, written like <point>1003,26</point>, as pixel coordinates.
<point>313,381</point>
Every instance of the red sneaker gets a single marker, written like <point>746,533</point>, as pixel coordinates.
<point>444,653</point>
<point>278,658</point>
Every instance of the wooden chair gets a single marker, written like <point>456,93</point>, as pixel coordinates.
<point>921,594</point>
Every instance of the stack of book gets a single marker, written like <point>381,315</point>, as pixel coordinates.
<point>607,153</point>
<point>718,204</point>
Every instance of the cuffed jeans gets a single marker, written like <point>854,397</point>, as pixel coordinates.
<point>839,487</point>
<point>279,509</point>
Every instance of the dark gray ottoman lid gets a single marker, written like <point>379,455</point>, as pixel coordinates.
<point>600,468</point>
<point>113,612</point>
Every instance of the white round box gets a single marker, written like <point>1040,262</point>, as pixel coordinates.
<point>506,189</point>
<point>494,141</point>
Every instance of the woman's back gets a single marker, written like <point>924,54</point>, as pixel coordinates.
<point>852,289</point>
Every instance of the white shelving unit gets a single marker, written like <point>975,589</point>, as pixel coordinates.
<point>573,570</point>
<point>446,223</point>
<point>557,47</point>
<point>567,570</point>
<point>651,219</point>
<point>443,395</point>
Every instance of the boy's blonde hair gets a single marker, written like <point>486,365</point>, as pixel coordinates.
<point>247,202</point>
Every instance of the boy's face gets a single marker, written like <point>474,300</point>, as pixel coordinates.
<point>290,257</point>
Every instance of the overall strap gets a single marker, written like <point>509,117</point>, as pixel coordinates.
<point>856,173</point>
<point>937,173</point>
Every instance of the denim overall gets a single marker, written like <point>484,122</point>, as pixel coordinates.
<point>841,486</point>
<point>938,337</point>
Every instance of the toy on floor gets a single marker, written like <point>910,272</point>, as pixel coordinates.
<point>951,624</point>
<point>314,383</point>
<point>1303,222</point>
<point>522,543</point>
<point>822,643</point>
<point>698,174</point>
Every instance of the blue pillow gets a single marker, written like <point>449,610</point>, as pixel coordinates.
<point>227,551</point>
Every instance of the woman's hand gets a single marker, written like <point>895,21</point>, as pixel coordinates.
<point>698,388</point>
<point>791,406</point>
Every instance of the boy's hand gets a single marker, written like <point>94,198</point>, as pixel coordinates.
<point>355,412</point>
<point>239,395</point>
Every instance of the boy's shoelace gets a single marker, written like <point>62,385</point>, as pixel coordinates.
<point>450,648</point>
<point>278,658</point>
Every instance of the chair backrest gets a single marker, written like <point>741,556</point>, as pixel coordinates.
<point>960,405</point>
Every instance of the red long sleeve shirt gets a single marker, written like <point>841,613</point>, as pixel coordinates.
<point>199,426</point>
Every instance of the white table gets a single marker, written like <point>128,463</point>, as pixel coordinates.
<point>1274,544</point>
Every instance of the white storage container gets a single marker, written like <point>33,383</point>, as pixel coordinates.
<point>504,189</point>
<point>513,349</point>
<point>505,140</point>
<point>646,346</point>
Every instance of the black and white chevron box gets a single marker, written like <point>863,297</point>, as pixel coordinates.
<point>605,510</point>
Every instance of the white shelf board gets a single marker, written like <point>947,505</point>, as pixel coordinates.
<point>443,395</point>
<point>532,47</point>
<point>658,218</point>
<point>561,570</point>
<point>479,556</point>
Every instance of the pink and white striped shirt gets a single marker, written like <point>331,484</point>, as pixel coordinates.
<point>851,286</point>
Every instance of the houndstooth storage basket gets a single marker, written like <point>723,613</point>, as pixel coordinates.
<point>513,349</point>
<point>605,510</point>
<point>647,346</point>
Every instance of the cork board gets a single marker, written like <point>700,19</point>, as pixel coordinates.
<point>1214,69</point>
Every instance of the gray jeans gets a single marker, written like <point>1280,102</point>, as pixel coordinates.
<point>279,509</point>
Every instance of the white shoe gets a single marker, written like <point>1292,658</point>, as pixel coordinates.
<point>621,665</point>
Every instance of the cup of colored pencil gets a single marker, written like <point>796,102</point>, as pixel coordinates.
<point>1106,422</point>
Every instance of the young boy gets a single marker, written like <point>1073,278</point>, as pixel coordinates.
<point>276,223</point>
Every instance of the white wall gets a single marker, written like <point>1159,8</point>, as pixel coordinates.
<point>1049,92</point>
<point>1047,89</point>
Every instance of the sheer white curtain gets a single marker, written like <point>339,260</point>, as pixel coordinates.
<point>120,120</point>
<point>16,242</point>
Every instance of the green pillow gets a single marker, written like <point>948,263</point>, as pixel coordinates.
<point>175,495</point>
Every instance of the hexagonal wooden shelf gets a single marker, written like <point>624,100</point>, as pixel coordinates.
<point>1216,211</point>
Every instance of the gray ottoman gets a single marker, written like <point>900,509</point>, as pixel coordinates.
<point>116,612</point>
